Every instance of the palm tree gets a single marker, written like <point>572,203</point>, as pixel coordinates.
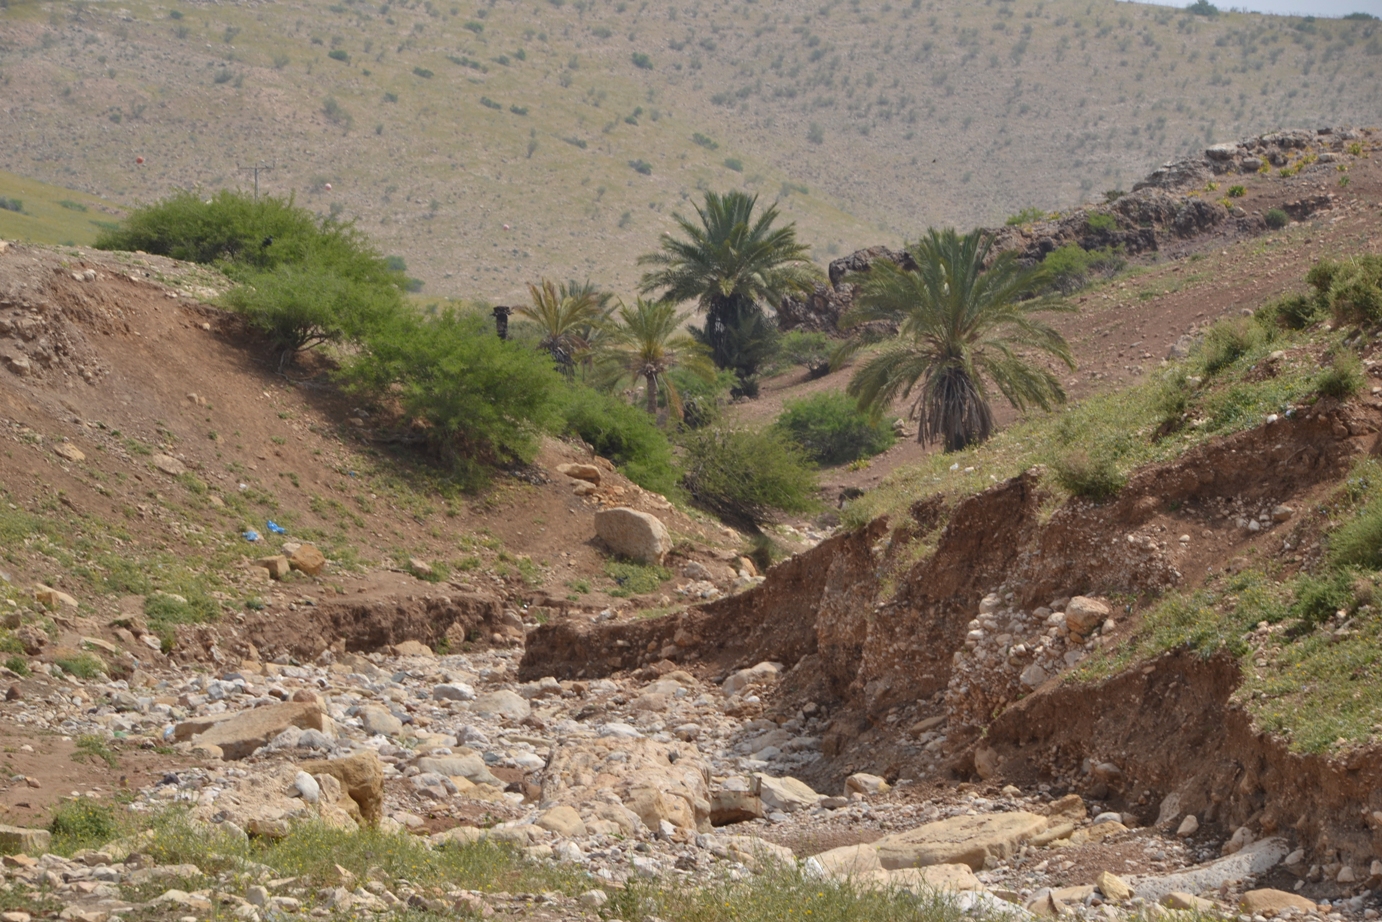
<point>645,344</point>
<point>569,316</point>
<point>960,327</point>
<point>730,263</point>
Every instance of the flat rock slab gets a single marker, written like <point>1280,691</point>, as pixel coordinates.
<point>1255,859</point>
<point>964,840</point>
<point>247,731</point>
<point>18,840</point>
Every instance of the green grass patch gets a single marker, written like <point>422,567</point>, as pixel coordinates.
<point>83,823</point>
<point>633,578</point>
<point>81,665</point>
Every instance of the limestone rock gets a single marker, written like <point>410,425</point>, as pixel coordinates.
<point>1259,901</point>
<point>307,559</point>
<point>563,821</point>
<point>277,565</point>
<point>53,598</point>
<point>377,720</point>
<point>864,783</point>
<point>587,472</point>
<point>727,807</point>
<point>847,862</point>
<point>419,567</point>
<point>1187,902</point>
<point>503,703</point>
<point>948,878</point>
<point>761,674</point>
<point>785,794</point>
<point>1188,826</point>
<point>17,839</point>
<point>453,691</point>
<point>69,451</point>
<point>242,734</point>
<point>412,648</point>
<point>361,775</point>
<point>633,534</point>
<point>470,767</point>
<point>1113,887</point>
<point>960,840</point>
<point>1085,614</point>
<point>986,762</point>
<point>169,465</point>
<point>1070,807</point>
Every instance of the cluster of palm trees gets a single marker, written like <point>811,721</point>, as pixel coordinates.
<point>965,320</point>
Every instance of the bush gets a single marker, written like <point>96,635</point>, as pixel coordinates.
<point>1070,266</point>
<point>1318,598</point>
<point>624,434</point>
<point>1276,218</point>
<point>338,54</point>
<point>1226,342</point>
<point>830,429</point>
<point>1343,378</point>
<point>635,578</point>
<point>1237,191</point>
<point>1358,543</point>
<point>810,350</point>
<point>1350,289</point>
<point>81,665</point>
<point>1098,223</point>
<point>747,475</point>
<point>1202,8</point>
<point>701,399</point>
<point>1290,312</point>
<point>1026,216</point>
<point>642,61</point>
<point>735,164</point>
<point>641,166</point>
<point>11,204</point>
<point>1095,478</point>
<point>82,823</point>
<point>470,397</point>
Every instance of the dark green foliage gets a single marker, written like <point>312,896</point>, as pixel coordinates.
<point>1276,218</point>
<point>831,429</point>
<point>1070,266</point>
<point>1226,342</point>
<point>701,399</point>
<point>1290,312</point>
<point>1026,216</point>
<point>471,398</point>
<point>625,435</point>
<point>1358,543</point>
<point>423,72</point>
<point>632,578</point>
<point>744,343</point>
<point>735,164</point>
<point>642,61</point>
<point>641,166</point>
<point>1343,378</point>
<point>11,204</point>
<point>82,823</point>
<point>747,475</point>
<point>338,54</point>
<point>304,280</point>
<point>1202,8</point>
<point>704,141</point>
<point>1319,597</point>
<point>1101,222</point>
<point>1095,478</point>
<point>18,665</point>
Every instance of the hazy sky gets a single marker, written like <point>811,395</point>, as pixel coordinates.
<point>1295,7</point>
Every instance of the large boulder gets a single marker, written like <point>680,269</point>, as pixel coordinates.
<point>17,839</point>
<point>469,766</point>
<point>239,736</point>
<point>1084,614</point>
<point>652,780</point>
<point>633,534</point>
<point>960,840</point>
<point>503,703</point>
<point>784,795</point>
<point>361,775</point>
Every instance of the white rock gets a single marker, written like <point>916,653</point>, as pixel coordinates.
<point>307,787</point>
<point>1188,826</point>
<point>453,691</point>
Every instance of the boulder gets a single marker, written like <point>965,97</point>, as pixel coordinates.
<point>277,565</point>
<point>563,821</point>
<point>1188,826</point>
<point>69,452</point>
<point>587,472</point>
<point>749,850</point>
<point>848,862</point>
<point>169,465</point>
<point>785,795</point>
<point>377,720</point>
<point>242,734</point>
<point>864,783</point>
<point>1259,901</point>
<point>19,840</point>
<point>1084,614</point>
<point>762,674</point>
<point>964,840</point>
<point>728,807</point>
<point>454,691</point>
<point>307,559</point>
<point>1254,860</point>
<point>361,775</point>
<point>53,598</point>
<point>413,648</point>
<point>1113,887</point>
<point>470,767</point>
<point>652,808</point>
<point>949,878</point>
<point>633,534</point>
<point>503,703</point>
<point>1187,902</point>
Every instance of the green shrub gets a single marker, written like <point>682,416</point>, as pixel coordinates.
<point>1237,191</point>
<point>810,350</point>
<point>11,204</point>
<point>1070,266</point>
<point>1026,216</point>
<point>635,578</point>
<point>830,429</point>
<point>735,164</point>
<point>701,399</point>
<point>1350,289</point>
<point>81,665</point>
<point>642,61</point>
<point>1290,312</point>
<point>1319,597</point>
<point>1093,477</point>
<point>1099,222</point>
<point>192,606</point>
<point>747,475</point>
<point>423,72</point>
<point>338,54</point>
<point>82,823</point>
<point>704,141</point>
<point>1226,342</point>
<point>1276,218</point>
<point>1172,400</point>
<point>18,665</point>
<point>624,434</point>
<point>641,166</point>
<point>1202,8</point>
<point>1358,542</point>
<point>1343,378</point>
<point>471,397</point>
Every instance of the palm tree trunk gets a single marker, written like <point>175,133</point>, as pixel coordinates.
<point>652,394</point>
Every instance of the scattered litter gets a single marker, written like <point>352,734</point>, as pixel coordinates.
<point>251,535</point>
<point>276,528</point>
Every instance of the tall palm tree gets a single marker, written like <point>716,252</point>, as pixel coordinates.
<point>569,316</point>
<point>730,263</point>
<point>646,344</point>
<point>961,327</point>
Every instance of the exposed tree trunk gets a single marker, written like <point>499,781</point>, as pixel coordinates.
<point>652,393</point>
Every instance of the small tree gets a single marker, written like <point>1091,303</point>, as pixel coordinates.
<point>569,316</point>
<point>645,344</point>
<point>960,327</point>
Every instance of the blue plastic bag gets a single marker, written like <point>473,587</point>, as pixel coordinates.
<point>251,535</point>
<point>276,528</point>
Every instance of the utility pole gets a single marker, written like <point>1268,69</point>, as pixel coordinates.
<point>256,170</point>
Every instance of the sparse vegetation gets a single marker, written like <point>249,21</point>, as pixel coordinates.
<point>747,475</point>
<point>1276,218</point>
